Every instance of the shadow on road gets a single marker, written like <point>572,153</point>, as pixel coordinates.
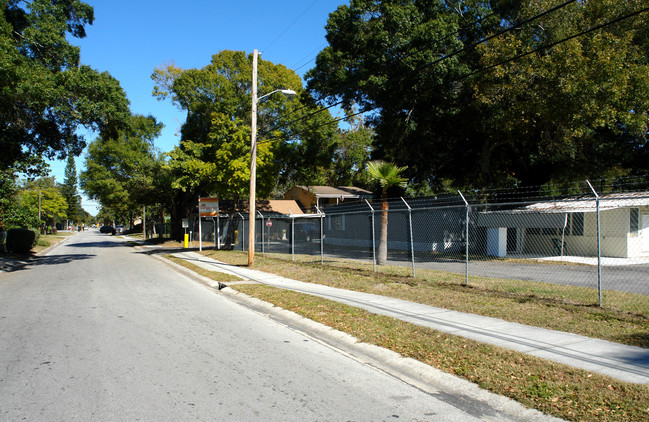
<point>97,244</point>
<point>59,259</point>
<point>166,251</point>
<point>26,262</point>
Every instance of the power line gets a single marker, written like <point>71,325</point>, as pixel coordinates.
<point>311,56</point>
<point>426,65</point>
<point>290,25</point>
<point>357,79</point>
<point>511,59</point>
<point>553,44</point>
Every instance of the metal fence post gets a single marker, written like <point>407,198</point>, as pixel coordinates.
<point>599,250</point>
<point>261,226</point>
<point>412,245</point>
<point>466,240</point>
<point>321,235</point>
<point>218,232</point>
<point>214,231</point>
<point>373,241</point>
<point>292,237</point>
<point>243,231</point>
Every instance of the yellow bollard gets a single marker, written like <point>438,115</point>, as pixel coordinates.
<point>186,240</point>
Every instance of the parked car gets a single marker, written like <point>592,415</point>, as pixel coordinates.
<point>107,229</point>
<point>119,229</point>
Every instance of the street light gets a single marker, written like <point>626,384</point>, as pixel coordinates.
<point>253,156</point>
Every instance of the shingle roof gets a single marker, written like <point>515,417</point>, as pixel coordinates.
<point>588,204</point>
<point>273,206</point>
<point>336,191</point>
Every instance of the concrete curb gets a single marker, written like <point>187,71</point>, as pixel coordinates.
<point>454,390</point>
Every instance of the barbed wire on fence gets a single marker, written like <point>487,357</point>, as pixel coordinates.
<point>580,248</point>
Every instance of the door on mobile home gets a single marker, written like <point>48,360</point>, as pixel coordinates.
<point>644,234</point>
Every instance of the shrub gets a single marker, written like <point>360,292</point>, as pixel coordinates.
<point>20,240</point>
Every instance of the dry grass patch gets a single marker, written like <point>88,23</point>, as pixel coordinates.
<point>555,389</point>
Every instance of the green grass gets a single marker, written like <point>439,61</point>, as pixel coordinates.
<point>539,304</point>
<point>555,389</point>
<point>47,240</point>
<point>212,275</point>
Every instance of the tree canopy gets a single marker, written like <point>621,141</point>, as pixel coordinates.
<point>53,205</point>
<point>295,141</point>
<point>46,94</point>
<point>548,96</point>
<point>123,172</point>
<point>353,148</point>
<point>12,212</point>
<point>69,191</point>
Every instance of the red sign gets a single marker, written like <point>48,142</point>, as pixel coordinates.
<point>269,223</point>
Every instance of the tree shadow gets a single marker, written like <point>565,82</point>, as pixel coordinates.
<point>166,251</point>
<point>60,259</point>
<point>97,244</point>
<point>637,339</point>
<point>34,260</point>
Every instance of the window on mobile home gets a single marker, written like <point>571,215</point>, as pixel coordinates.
<point>634,221</point>
<point>578,224</point>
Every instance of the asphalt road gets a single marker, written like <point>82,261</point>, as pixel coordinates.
<point>97,330</point>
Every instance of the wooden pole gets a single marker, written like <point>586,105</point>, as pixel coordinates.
<point>253,164</point>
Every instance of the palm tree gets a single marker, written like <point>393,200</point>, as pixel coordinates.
<point>387,175</point>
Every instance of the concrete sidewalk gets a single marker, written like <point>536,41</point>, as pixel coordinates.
<point>626,363</point>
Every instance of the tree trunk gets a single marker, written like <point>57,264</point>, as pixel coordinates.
<point>382,257</point>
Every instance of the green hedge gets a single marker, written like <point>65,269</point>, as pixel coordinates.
<point>21,240</point>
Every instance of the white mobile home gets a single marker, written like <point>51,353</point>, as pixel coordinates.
<point>569,226</point>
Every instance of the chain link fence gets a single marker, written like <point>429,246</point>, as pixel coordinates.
<point>588,250</point>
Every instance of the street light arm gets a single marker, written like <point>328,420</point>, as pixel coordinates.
<point>289,92</point>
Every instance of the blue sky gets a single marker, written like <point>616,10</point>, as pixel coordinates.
<point>130,38</point>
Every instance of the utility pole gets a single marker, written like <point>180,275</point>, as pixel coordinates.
<point>253,164</point>
<point>253,155</point>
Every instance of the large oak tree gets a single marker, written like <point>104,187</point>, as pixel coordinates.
<point>295,138</point>
<point>46,95</point>
<point>124,172</point>
<point>528,106</point>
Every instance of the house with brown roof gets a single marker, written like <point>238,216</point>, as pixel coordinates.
<point>321,196</point>
<point>272,207</point>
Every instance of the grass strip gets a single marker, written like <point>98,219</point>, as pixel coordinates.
<point>522,303</point>
<point>552,388</point>
<point>47,240</point>
<point>212,275</point>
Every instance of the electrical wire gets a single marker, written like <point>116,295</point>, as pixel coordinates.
<point>511,59</point>
<point>289,26</point>
<point>358,79</point>
<point>426,65</point>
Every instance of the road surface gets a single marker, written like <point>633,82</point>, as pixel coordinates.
<point>97,330</point>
